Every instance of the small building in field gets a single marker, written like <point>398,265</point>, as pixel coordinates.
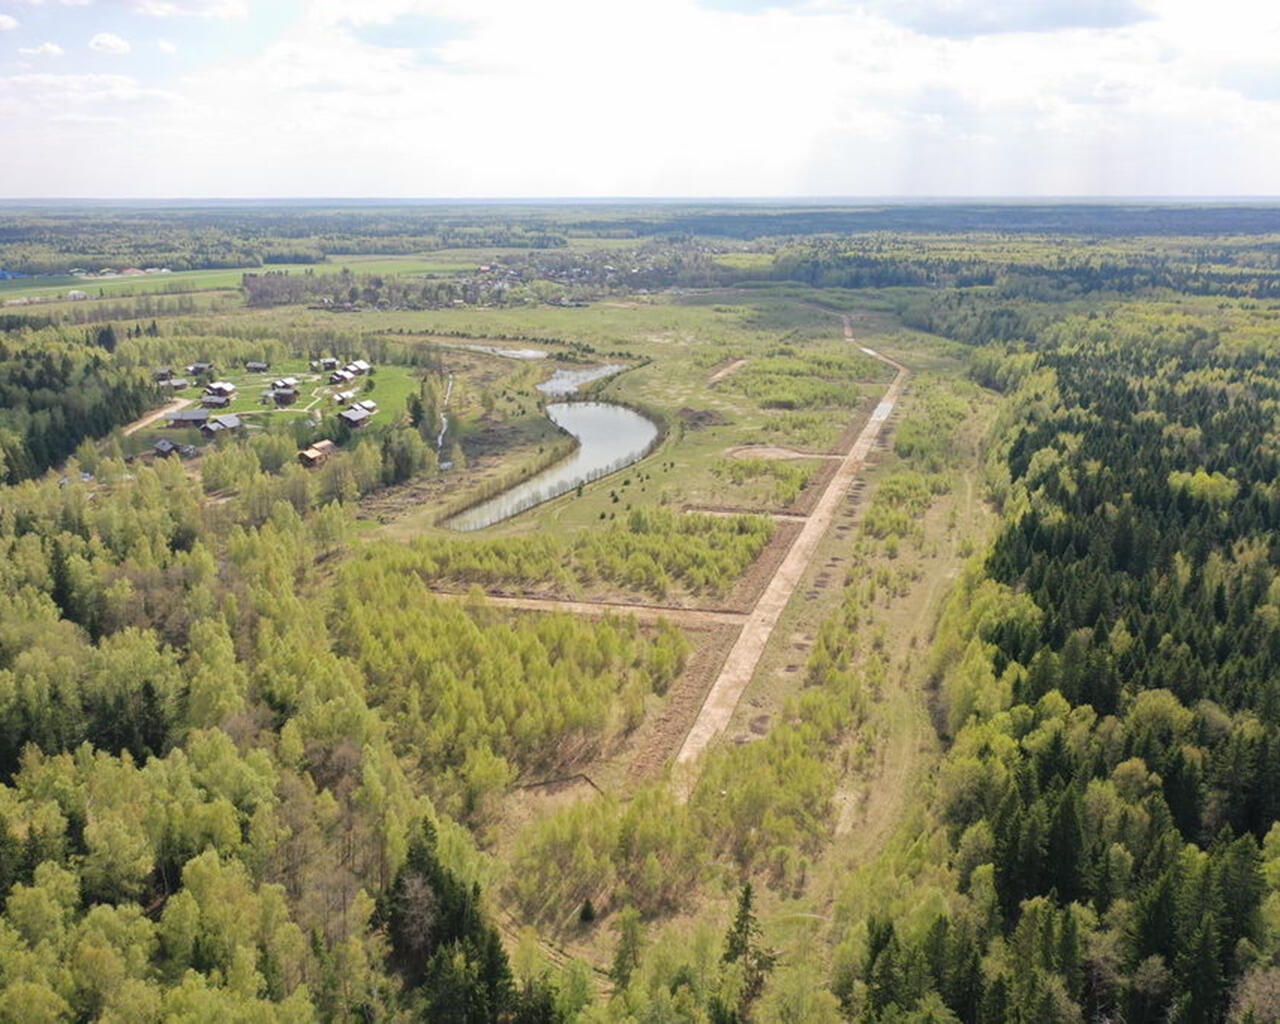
<point>343,397</point>
<point>176,383</point>
<point>215,401</point>
<point>199,369</point>
<point>189,418</point>
<point>284,396</point>
<point>359,366</point>
<point>163,373</point>
<point>368,405</point>
<point>328,363</point>
<point>341,377</point>
<point>355,417</point>
<point>254,366</point>
<point>164,448</point>
<point>317,453</point>
<point>219,425</point>
<point>220,387</point>
<point>285,382</point>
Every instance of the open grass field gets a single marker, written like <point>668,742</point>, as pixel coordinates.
<point>48,288</point>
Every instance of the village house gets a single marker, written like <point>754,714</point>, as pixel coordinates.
<point>285,382</point>
<point>176,383</point>
<point>188,418</point>
<point>198,369</point>
<point>220,387</point>
<point>218,425</point>
<point>368,405</point>
<point>317,453</point>
<point>328,363</point>
<point>163,373</point>
<point>164,448</point>
<point>341,377</point>
<point>256,367</point>
<point>355,417</point>
<point>215,401</point>
<point>284,396</point>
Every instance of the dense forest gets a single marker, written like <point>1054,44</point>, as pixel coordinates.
<point>55,391</point>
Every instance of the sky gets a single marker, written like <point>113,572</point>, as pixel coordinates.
<point>606,98</point>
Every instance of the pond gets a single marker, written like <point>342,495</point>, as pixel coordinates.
<point>609,438</point>
<point>567,382</point>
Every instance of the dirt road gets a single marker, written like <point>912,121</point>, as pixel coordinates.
<point>741,663</point>
<point>151,417</point>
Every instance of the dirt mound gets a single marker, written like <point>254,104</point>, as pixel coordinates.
<point>699,419</point>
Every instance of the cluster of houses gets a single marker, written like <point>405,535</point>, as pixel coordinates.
<point>211,425</point>
<point>359,414</point>
<point>283,391</point>
<point>164,378</point>
<point>218,394</point>
<point>345,375</point>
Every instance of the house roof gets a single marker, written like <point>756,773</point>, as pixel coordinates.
<point>189,416</point>
<point>354,415</point>
<point>228,421</point>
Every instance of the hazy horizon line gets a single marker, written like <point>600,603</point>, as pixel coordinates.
<point>778,200</point>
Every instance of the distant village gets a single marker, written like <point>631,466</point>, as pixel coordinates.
<point>211,419</point>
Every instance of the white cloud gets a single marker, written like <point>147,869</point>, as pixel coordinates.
<point>192,8</point>
<point>166,47</point>
<point>43,50</point>
<point>834,97</point>
<point>109,42</point>
<point>8,22</point>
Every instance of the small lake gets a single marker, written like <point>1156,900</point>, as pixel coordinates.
<point>609,438</point>
<point>567,382</point>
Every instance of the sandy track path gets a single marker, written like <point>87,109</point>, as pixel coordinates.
<point>726,371</point>
<point>151,417</point>
<point>740,665</point>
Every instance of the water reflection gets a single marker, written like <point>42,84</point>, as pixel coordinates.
<point>610,437</point>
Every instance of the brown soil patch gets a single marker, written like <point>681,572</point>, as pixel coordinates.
<point>699,419</point>
<point>751,585</point>
<point>658,745</point>
<point>808,497</point>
